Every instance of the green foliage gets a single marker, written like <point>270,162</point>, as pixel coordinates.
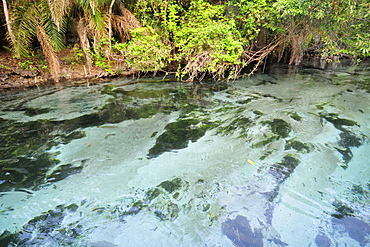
<point>26,65</point>
<point>76,56</point>
<point>100,56</point>
<point>26,18</point>
<point>251,15</point>
<point>342,26</point>
<point>206,41</point>
<point>147,51</point>
<point>199,37</point>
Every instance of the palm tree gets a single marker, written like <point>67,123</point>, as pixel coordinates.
<point>32,20</point>
<point>8,25</point>
<point>45,21</point>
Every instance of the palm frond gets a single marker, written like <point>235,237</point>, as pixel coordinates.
<point>125,22</point>
<point>49,52</point>
<point>58,10</point>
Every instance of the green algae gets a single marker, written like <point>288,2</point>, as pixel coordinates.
<point>348,139</point>
<point>347,156</point>
<point>265,142</point>
<point>297,145</point>
<point>279,127</point>
<point>159,200</point>
<point>171,186</point>
<point>360,193</point>
<point>64,171</point>
<point>167,200</point>
<point>286,167</point>
<point>169,211</point>
<point>281,171</point>
<point>342,210</point>
<point>258,113</point>
<point>151,194</point>
<point>177,136</point>
<point>24,144</point>
<point>108,89</point>
<point>337,121</point>
<point>248,100</point>
<point>33,111</point>
<point>295,116</point>
<point>45,229</point>
<point>240,124</point>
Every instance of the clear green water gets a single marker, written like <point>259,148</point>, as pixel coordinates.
<point>279,159</point>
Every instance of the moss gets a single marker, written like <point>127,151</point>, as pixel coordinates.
<point>338,122</point>
<point>238,124</point>
<point>347,156</point>
<point>153,193</point>
<point>295,116</point>
<point>64,171</point>
<point>297,145</point>
<point>285,168</point>
<point>7,238</point>
<point>174,184</point>
<point>265,142</point>
<point>279,127</point>
<point>342,210</point>
<point>258,113</point>
<point>33,112</point>
<point>108,89</point>
<point>177,136</point>
<point>349,139</point>
<point>45,229</point>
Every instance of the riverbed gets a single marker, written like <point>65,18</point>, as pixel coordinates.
<point>278,159</point>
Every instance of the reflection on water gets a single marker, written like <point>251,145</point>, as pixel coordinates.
<point>279,159</point>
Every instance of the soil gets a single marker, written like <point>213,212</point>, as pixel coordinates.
<point>32,72</point>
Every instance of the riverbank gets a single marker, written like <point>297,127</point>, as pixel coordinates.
<point>33,71</point>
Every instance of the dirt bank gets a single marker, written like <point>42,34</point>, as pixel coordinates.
<point>33,71</point>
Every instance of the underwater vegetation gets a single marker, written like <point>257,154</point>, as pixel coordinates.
<point>297,145</point>
<point>279,127</point>
<point>177,136</point>
<point>24,146</point>
<point>348,138</point>
<point>45,229</point>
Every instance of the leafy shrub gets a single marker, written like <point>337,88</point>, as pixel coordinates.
<point>207,42</point>
<point>147,50</point>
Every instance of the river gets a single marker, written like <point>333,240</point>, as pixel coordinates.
<point>278,159</point>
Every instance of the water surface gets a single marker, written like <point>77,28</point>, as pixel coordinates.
<point>278,159</point>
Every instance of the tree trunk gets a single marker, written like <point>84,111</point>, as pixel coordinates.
<point>49,53</point>
<point>110,17</point>
<point>296,51</point>
<point>8,25</point>
<point>84,42</point>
